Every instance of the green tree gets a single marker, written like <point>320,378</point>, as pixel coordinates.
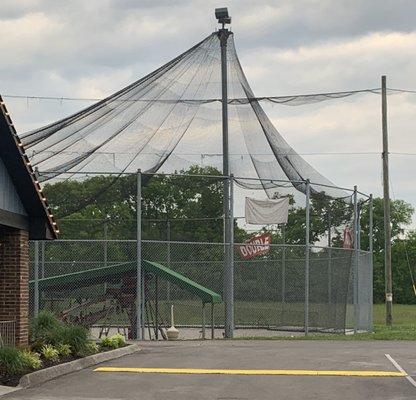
<point>93,206</point>
<point>401,216</point>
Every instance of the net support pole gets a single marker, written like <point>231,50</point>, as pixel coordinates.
<point>229,273</point>
<point>370,248</point>
<point>223,35</point>
<point>36,280</point>
<point>139,328</point>
<point>356,260</point>
<point>386,203</point>
<point>307,254</point>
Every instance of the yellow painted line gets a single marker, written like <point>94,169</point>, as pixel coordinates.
<point>291,372</point>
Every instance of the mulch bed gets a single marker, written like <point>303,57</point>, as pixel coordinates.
<point>13,380</point>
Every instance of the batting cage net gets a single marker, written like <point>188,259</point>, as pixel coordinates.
<point>167,217</point>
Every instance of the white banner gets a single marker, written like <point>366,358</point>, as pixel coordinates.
<point>265,212</point>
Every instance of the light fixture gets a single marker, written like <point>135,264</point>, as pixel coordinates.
<point>222,16</point>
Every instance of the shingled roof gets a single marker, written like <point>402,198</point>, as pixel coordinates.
<point>41,223</point>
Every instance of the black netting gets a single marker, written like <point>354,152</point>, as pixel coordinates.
<point>174,110</point>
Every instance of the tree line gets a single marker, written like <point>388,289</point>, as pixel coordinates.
<point>189,208</point>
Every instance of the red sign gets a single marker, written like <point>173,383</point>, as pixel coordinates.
<point>348,242</point>
<point>256,246</point>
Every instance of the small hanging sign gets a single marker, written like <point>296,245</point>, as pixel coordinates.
<point>348,242</point>
<point>256,246</point>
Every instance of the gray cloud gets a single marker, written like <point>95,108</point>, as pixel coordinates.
<point>92,48</point>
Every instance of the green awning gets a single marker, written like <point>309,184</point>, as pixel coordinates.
<point>205,294</point>
<point>113,273</point>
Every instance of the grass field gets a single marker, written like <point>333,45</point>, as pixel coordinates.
<point>189,312</point>
<point>404,327</point>
<point>403,314</point>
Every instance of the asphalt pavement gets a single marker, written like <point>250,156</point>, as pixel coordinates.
<point>296,356</point>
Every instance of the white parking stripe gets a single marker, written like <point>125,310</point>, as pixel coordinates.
<point>398,366</point>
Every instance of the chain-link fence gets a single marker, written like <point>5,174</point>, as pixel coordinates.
<point>196,245</point>
<point>7,333</point>
<point>93,282</point>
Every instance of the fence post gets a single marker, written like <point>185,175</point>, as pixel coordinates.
<point>307,239</point>
<point>203,321</point>
<point>212,322</point>
<point>42,259</point>
<point>356,260</point>
<point>139,328</point>
<point>283,264</point>
<point>329,259</point>
<point>105,242</point>
<point>168,237</point>
<point>370,247</point>
<point>157,307</point>
<point>36,279</point>
<point>359,209</point>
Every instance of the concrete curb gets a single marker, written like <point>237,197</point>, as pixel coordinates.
<point>7,389</point>
<point>44,375</point>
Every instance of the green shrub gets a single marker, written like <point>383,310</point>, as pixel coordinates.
<point>89,349</point>
<point>106,342</point>
<point>73,335</point>
<point>113,342</point>
<point>119,338</point>
<point>63,349</point>
<point>11,360</point>
<point>30,359</point>
<point>49,353</point>
<point>43,329</point>
<point>93,347</point>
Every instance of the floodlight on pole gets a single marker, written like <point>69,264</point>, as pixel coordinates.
<point>222,16</point>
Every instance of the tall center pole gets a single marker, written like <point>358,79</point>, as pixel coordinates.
<point>139,328</point>
<point>223,35</point>
<point>386,197</point>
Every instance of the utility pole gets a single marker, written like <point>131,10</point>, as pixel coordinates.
<point>307,255</point>
<point>386,202</point>
<point>223,18</point>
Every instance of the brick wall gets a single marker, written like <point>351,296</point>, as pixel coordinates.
<point>14,276</point>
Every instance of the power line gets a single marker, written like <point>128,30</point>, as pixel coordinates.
<point>107,153</point>
<point>287,99</point>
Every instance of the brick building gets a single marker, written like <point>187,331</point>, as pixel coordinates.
<point>24,215</point>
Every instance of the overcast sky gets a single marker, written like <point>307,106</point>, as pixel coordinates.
<point>79,48</point>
